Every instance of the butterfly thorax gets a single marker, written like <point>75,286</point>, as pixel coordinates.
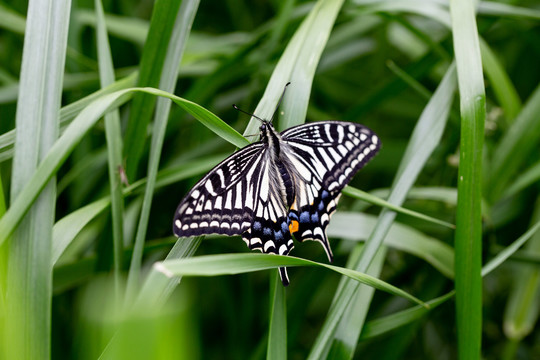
<point>270,138</point>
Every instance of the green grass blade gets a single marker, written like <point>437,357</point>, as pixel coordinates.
<point>3,280</point>
<point>388,323</point>
<point>468,236</point>
<point>502,85</point>
<point>11,20</point>
<point>175,49</point>
<point>29,282</point>
<point>522,310</point>
<point>55,157</point>
<point>151,67</point>
<point>526,179</point>
<point>78,128</point>
<point>510,250</point>
<point>305,49</point>
<point>356,227</point>
<point>348,332</point>
<point>362,195</point>
<point>66,229</point>
<point>425,138</point>
<point>113,134</point>
<point>432,9</point>
<point>507,10</point>
<point>67,113</point>
<point>297,65</point>
<point>277,333</point>
<point>517,144</point>
<point>230,264</point>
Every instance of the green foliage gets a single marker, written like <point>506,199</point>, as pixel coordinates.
<point>447,217</point>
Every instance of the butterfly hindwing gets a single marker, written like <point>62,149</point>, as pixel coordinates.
<point>324,157</point>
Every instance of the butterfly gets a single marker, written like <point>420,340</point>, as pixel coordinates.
<point>287,184</point>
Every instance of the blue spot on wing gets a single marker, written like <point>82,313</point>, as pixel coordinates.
<point>257,225</point>
<point>314,217</point>
<point>285,226</point>
<point>304,217</point>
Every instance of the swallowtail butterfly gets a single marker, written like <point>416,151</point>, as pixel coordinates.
<point>286,184</point>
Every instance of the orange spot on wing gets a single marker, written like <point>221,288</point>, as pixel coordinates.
<point>293,226</point>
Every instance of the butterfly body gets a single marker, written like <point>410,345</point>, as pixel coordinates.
<point>286,184</point>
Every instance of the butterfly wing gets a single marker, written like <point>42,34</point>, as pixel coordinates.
<point>222,201</point>
<point>323,157</point>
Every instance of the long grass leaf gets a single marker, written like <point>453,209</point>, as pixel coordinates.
<point>522,310</point>
<point>362,195</point>
<point>66,229</point>
<point>348,332</point>
<point>277,333</point>
<point>67,113</point>
<point>510,250</point>
<point>230,264</point>
<point>297,65</point>
<point>356,227</point>
<point>425,138</point>
<point>501,83</point>
<point>468,236</point>
<point>175,50</point>
<point>29,281</point>
<point>151,67</point>
<point>388,323</point>
<point>11,20</point>
<point>78,128</point>
<point>114,146</point>
<point>517,144</point>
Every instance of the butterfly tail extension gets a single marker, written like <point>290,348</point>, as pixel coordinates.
<point>284,276</point>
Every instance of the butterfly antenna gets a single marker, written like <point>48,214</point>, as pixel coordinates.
<point>245,112</point>
<point>280,100</point>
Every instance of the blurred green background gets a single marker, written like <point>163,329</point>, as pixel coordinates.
<point>380,65</point>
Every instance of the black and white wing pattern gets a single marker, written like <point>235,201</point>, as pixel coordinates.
<point>324,158</point>
<point>222,201</point>
<point>287,184</point>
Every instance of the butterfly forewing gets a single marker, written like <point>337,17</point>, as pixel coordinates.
<point>222,201</point>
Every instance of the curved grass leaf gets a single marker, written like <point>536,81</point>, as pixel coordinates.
<point>502,85</point>
<point>509,250</point>
<point>516,146</point>
<point>154,56</point>
<point>425,138</point>
<point>230,264</point>
<point>522,311</point>
<point>355,227</point>
<point>362,195</point>
<point>388,323</point>
<point>67,113</point>
<point>66,229</point>
<point>175,49</point>
<point>78,128</point>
